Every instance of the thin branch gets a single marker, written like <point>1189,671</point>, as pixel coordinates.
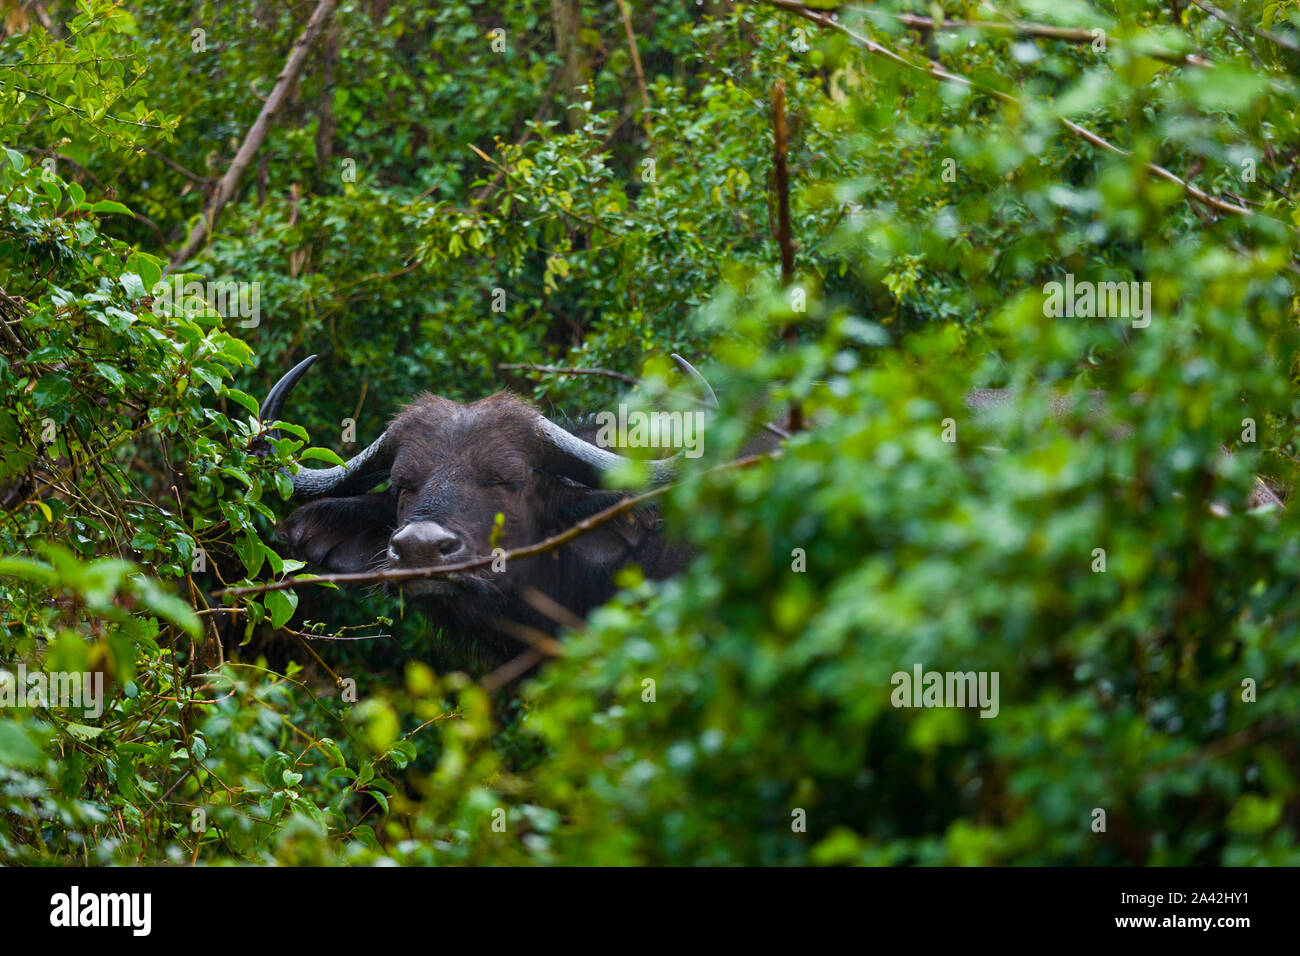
<point>256,133</point>
<point>781,174</point>
<point>68,160</point>
<point>172,164</point>
<point>1077,35</point>
<point>85,114</point>
<point>538,640</point>
<point>1218,14</point>
<point>937,71</point>
<point>527,551</point>
<point>558,370</point>
<point>19,311</point>
<point>782,171</point>
<point>509,671</point>
<point>636,68</point>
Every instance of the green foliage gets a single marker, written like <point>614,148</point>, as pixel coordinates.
<point>741,712</point>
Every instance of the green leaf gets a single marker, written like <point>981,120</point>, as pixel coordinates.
<point>126,782</point>
<point>17,748</point>
<point>251,552</point>
<point>280,605</point>
<point>247,401</point>
<point>51,390</point>
<point>112,375</point>
<point>110,206</point>
<point>82,731</point>
<point>321,454</point>
<point>133,284</point>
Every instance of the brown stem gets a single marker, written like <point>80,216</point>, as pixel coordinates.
<point>784,241</point>
<point>636,67</point>
<point>566,23</point>
<point>1218,14</point>
<point>780,147</point>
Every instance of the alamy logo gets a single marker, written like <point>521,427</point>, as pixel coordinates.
<point>227,298</point>
<point>637,429</point>
<point>73,909</point>
<point>1101,300</point>
<point>53,689</point>
<point>946,689</point>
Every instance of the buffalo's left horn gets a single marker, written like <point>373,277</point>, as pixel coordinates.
<point>596,461</point>
<point>691,372</point>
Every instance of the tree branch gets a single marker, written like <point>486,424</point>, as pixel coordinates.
<point>781,174</point>
<point>1077,35</point>
<point>636,67</point>
<point>558,370</point>
<point>1218,14</point>
<point>937,71</point>
<point>172,164</point>
<point>256,133</point>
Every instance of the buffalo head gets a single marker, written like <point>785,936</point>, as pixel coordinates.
<point>464,479</point>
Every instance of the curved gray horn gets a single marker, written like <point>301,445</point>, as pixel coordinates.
<point>691,372</point>
<point>595,461</point>
<point>274,404</point>
<point>358,475</point>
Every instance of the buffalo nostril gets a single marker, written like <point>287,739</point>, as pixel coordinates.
<point>423,543</point>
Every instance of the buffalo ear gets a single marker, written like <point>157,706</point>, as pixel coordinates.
<point>341,534</point>
<point>610,546</point>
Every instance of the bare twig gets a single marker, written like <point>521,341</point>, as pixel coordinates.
<point>779,148</point>
<point>172,164</point>
<point>19,311</point>
<point>539,641</point>
<point>509,671</point>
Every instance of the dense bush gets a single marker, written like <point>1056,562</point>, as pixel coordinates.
<point>434,201</point>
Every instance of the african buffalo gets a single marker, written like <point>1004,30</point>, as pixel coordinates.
<point>452,469</point>
<point>465,479</point>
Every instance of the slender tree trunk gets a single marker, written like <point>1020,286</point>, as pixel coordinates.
<point>326,124</point>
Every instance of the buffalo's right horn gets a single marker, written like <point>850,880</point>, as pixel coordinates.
<point>361,473</point>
